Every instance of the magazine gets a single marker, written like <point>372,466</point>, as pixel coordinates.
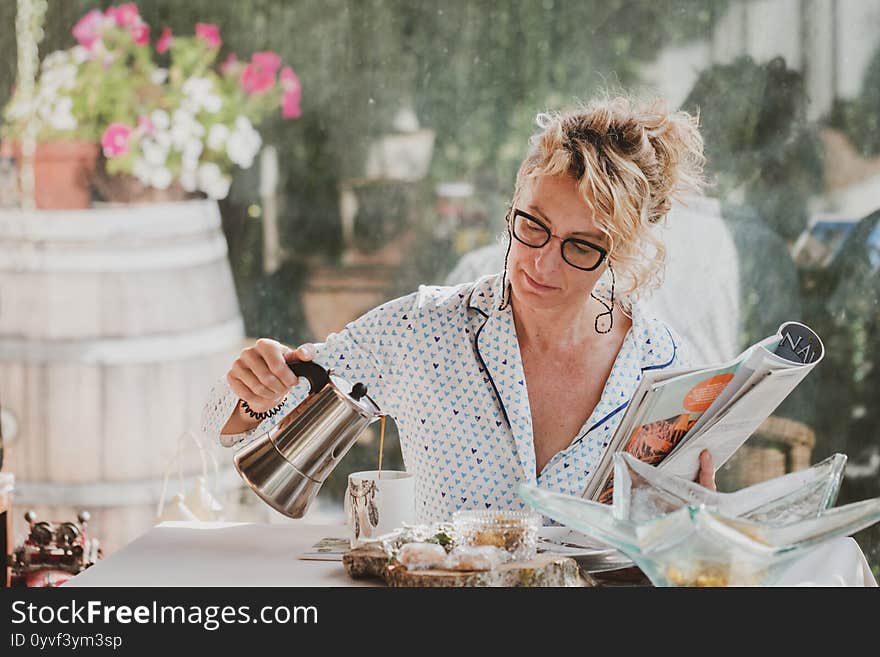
<point>327,549</point>
<point>676,414</point>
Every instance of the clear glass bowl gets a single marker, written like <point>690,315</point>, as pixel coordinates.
<point>680,536</point>
<point>515,532</point>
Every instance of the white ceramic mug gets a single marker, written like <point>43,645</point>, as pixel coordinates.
<point>375,506</point>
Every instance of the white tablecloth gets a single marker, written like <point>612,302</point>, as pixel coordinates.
<point>247,554</point>
<point>221,554</point>
<point>839,562</point>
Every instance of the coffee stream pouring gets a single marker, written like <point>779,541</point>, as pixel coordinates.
<point>288,464</point>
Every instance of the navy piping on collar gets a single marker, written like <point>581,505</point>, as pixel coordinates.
<point>669,362</point>
<point>625,404</point>
<point>604,419</point>
<point>486,369</point>
<point>498,395</point>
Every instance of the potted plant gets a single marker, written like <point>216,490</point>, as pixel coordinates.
<point>152,132</point>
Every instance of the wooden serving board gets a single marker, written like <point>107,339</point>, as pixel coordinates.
<point>544,570</point>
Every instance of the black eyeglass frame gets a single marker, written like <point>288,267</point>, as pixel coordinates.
<point>603,253</point>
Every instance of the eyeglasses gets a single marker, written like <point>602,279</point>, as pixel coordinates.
<point>532,232</point>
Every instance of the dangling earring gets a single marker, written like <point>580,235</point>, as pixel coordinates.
<point>505,294</point>
<point>609,309</point>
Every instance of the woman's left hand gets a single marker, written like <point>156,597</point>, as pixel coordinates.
<point>706,475</point>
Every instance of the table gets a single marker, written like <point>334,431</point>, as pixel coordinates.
<point>221,554</point>
<point>248,554</point>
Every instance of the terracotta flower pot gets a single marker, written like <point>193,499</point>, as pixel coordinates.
<point>63,173</point>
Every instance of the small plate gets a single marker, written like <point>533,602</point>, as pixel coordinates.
<point>591,555</point>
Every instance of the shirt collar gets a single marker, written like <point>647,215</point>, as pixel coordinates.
<point>657,350</point>
<point>648,345</point>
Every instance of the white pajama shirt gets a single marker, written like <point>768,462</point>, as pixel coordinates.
<point>444,363</point>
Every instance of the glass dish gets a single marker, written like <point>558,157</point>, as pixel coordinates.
<point>700,544</point>
<point>516,532</point>
<point>646,492</point>
<point>591,555</point>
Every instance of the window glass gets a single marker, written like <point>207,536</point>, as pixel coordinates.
<point>416,114</point>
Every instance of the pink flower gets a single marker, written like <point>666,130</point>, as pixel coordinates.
<point>88,29</point>
<point>256,80</point>
<point>140,33</point>
<point>268,61</point>
<point>259,76</point>
<point>229,65</point>
<point>292,95</point>
<point>114,141</point>
<point>289,80</point>
<point>164,42</point>
<point>124,15</point>
<point>145,125</point>
<point>290,105</point>
<point>209,33</point>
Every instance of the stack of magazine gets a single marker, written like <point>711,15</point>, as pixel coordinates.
<point>676,414</point>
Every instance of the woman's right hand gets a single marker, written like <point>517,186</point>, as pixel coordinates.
<point>260,375</point>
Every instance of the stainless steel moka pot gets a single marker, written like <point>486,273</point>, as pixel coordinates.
<point>288,464</point>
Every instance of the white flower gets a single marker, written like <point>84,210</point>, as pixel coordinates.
<point>190,105</point>
<point>160,178</point>
<point>243,124</point>
<point>220,189</point>
<point>56,59</point>
<point>142,170</point>
<point>99,51</point>
<point>181,127</point>
<point>66,76</point>
<point>208,173</point>
<point>154,153</point>
<point>200,95</point>
<point>196,86</point>
<point>62,117</point>
<point>57,112</point>
<point>160,119</point>
<point>60,77</point>
<point>148,174</point>
<point>192,150</point>
<point>213,182</point>
<point>217,136</point>
<point>189,179</point>
<point>243,144</point>
<point>63,122</point>
<point>79,54</point>
<point>159,76</point>
<point>184,127</point>
<point>162,138</point>
<point>212,103</point>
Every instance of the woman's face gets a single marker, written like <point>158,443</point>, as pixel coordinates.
<point>540,277</point>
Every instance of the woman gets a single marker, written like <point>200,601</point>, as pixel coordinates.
<point>520,376</point>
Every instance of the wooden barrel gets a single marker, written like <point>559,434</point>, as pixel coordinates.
<point>114,321</point>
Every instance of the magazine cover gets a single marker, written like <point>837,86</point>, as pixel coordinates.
<point>716,407</point>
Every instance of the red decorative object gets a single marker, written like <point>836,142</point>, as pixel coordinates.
<point>53,552</point>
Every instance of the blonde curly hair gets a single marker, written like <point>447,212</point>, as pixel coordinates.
<point>630,161</point>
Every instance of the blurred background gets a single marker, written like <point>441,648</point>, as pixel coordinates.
<point>396,172</point>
